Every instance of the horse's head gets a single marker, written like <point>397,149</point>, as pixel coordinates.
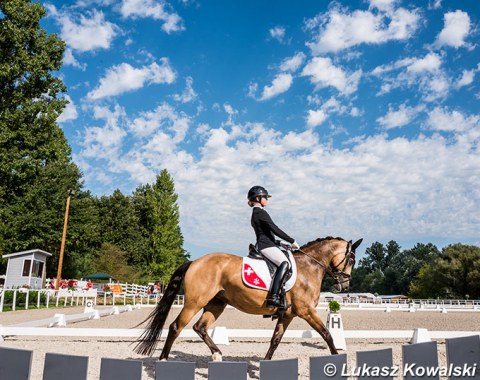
<point>341,264</point>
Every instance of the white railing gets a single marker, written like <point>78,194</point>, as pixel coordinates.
<point>45,298</point>
<point>123,293</point>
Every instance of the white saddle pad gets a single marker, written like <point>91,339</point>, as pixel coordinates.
<point>255,274</point>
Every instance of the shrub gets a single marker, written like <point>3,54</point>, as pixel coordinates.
<point>333,306</point>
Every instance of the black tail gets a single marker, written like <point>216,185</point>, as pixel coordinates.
<point>149,339</point>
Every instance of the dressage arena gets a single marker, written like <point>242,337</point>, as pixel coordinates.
<point>251,350</point>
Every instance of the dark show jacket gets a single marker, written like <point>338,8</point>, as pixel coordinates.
<point>265,229</point>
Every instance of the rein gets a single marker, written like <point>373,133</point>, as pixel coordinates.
<point>334,272</point>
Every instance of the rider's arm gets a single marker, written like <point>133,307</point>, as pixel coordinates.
<point>274,228</point>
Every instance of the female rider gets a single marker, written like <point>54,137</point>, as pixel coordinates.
<point>265,231</point>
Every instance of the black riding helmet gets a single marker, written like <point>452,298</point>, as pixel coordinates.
<point>257,191</point>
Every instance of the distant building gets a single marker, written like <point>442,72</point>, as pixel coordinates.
<point>26,268</point>
<point>397,298</point>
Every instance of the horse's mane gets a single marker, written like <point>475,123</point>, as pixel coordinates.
<point>310,243</point>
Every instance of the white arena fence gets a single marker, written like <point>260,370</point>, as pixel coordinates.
<point>138,294</point>
<point>418,361</point>
<point>220,335</point>
<point>23,298</point>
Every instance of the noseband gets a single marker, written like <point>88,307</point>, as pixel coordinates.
<point>333,270</point>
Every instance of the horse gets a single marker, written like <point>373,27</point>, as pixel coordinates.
<point>214,281</point>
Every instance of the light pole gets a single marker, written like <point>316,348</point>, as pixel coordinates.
<point>64,235</point>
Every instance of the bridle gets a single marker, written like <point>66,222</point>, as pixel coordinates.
<point>338,275</point>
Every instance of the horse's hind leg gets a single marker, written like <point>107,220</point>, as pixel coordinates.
<point>185,316</point>
<point>280,329</point>
<point>211,312</point>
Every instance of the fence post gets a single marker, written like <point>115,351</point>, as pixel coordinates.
<point>14,299</point>
<point>27,299</point>
<point>2,299</point>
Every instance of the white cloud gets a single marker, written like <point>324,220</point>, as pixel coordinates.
<point>323,73</point>
<point>124,77</point>
<point>292,64</point>
<point>280,84</point>
<point>70,60</point>
<point>105,142</point>
<point>466,78</point>
<point>163,118</point>
<point>84,32</point>
<point>316,118</point>
<point>377,187</point>
<point>424,74</point>
<point>434,4</point>
<point>339,29</point>
<point>399,118</point>
<point>158,10</point>
<point>455,31</point>
<point>325,109</point>
<point>70,111</point>
<point>441,119</point>
<point>278,33</point>
<point>431,62</point>
<point>188,93</point>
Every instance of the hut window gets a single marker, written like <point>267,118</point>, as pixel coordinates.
<point>37,269</point>
<point>26,268</point>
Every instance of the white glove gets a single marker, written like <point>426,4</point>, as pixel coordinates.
<point>295,245</point>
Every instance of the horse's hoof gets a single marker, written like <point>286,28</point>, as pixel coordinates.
<point>217,357</point>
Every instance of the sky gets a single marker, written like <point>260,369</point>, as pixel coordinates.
<point>361,118</point>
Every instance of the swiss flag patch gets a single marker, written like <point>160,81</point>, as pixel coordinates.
<point>251,277</point>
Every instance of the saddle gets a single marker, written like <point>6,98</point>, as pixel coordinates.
<point>254,253</point>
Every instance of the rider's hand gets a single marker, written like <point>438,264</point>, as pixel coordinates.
<point>295,245</point>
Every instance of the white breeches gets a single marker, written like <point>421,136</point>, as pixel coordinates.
<point>275,255</point>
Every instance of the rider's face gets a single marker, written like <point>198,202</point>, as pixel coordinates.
<point>264,201</point>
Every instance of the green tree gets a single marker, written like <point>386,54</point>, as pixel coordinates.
<point>30,98</point>
<point>405,267</point>
<point>375,257</point>
<point>112,260</point>
<point>121,226</point>
<point>36,170</point>
<point>163,223</point>
<point>453,274</point>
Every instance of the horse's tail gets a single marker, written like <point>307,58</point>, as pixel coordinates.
<point>149,339</point>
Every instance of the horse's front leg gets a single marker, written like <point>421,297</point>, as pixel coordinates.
<point>280,329</point>
<point>311,316</point>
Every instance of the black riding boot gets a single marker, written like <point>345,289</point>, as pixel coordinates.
<point>276,297</point>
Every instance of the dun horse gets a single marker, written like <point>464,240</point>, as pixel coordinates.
<point>214,281</point>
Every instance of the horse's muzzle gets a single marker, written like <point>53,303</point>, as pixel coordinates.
<point>340,287</point>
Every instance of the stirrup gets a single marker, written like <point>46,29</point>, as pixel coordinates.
<point>279,302</point>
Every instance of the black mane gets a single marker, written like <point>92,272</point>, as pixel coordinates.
<point>310,243</point>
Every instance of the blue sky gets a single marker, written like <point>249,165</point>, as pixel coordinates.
<point>360,117</point>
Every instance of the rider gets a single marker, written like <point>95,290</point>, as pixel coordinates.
<point>265,230</point>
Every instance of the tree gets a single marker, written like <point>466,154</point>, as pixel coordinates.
<point>375,257</point>
<point>453,274</point>
<point>36,170</point>
<point>112,260</point>
<point>166,239</point>
<point>121,226</point>
<point>405,267</point>
<point>30,97</point>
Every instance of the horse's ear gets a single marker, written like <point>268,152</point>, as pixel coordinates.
<point>356,244</point>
